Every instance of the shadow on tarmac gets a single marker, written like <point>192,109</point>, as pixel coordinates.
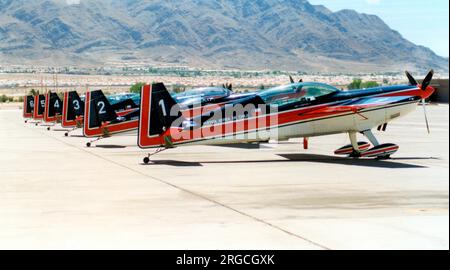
<point>391,163</point>
<point>110,146</point>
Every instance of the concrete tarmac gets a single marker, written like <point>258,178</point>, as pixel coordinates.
<point>57,194</point>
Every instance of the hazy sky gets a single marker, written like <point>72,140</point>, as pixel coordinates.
<point>422,22</point>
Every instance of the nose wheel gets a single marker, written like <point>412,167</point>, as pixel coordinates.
<point>68,132</point>
<point>89,144</point>
<point>147,160</point>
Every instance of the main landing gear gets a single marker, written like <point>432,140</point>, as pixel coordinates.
<point>362,149</point>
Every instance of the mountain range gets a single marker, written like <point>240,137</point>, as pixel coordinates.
<point>221,34</point>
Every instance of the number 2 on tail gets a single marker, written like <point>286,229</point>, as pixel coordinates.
<point>101,106</point>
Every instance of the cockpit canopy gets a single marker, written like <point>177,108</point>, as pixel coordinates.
<point>204,92</point>
<point>201,95</point>
<point>296,92</point>
<point>113,99</point>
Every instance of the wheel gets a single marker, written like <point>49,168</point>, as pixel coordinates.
<point>146,160</point>
<point>26,121</point>
<point>66,134</point>
<point>384,157</point>
<point>48,128</point>
<point>88,144</point>
<point>36,124</point>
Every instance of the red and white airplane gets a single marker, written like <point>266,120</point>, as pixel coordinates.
<point>104,119</point>
<point>297,110</point>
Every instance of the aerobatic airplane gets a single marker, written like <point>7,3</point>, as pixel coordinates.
<point>297,110</point>
<point>73,108</point>
<point>102,120</point>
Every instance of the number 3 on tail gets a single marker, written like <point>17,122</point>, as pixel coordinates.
<point>76,104</point>
<point>163,107</point>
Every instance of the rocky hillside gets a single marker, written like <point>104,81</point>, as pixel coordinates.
<point>246,34</point>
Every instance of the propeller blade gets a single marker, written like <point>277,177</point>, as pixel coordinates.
<point>426,82</point>
<point>425,113</point>
<point>292,80</point>
<point>411,79</point>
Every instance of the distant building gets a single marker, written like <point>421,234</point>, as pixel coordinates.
<point>441,95</point>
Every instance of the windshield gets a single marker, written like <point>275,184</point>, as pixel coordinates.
<point>297,92</point>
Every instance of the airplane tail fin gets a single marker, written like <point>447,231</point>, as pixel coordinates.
<point>56,103</point>
<point>100,110</point>
<point>158,112</point>
<point>53,105</point>
<point>39,107</point>
<point>76,104</point>
<point>28,106</point>
<point>164,109</point>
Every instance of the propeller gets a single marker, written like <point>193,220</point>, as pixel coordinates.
<point>292,79</point>
<point>228,86</point>
<point>425,113</point>
<point>426,82</point>
<point>411,79</point>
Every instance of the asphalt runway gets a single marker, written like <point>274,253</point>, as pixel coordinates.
<point>57,194</point>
